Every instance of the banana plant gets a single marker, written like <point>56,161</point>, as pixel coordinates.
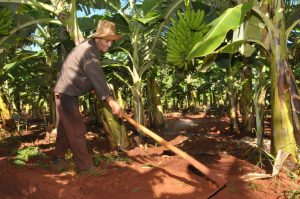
<point>283,85</point>
<point>204,41</point>
<point>24,79</point>
<point>155,108</point>
<point>144,32</point>
<point>64,11</point>
<point>49,47</point>
<point>5,113</point>
<point>7,73</point>
<point>14,38</point>
<point>284,133</point>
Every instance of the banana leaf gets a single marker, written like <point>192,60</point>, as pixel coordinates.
<point>230,20</point>
<point>232,47</point>
<point>27,24</point>
<point>7,68</point>
<point>147,20</point>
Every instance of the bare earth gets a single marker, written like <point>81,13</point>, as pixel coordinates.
<point>153,172</point>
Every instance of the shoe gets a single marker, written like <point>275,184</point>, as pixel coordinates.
<point>60,164</point>
<point>93,171</point>
<point>57,160</point>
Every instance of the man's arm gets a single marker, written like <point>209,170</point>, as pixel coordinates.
<point>95,74</point>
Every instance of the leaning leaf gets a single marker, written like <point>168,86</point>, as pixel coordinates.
<point>146,20</point>
<point>148,166</point>
<point>232,47</point>
<point>208,61</point>
<point>247,50</point>
<point>230,20</point>
<point>19,162</point>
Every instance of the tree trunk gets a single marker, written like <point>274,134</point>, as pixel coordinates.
<point>5,114</point>
<point>246,107</point>
<point>166,105</point>
<point>173,103</point>
<point>295,105</point>
<point>282,122</point>
<point>138,103</point>
<point>156,117</point>
<point>187,102</point>
<point>205,100</point>
<point>213,99</point>
<point>234,123</point>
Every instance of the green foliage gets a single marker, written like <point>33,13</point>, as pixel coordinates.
<point>23,155</point>
<point>109,158</point>
<point>6,21</point>
<point>229,20</point>
<point>256,187</point>
<point>148,166</point>
<point>183,35</point>
<point>292,193</point>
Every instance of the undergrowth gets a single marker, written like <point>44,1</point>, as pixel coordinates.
<point>23,155</point>
<point>109,158</point>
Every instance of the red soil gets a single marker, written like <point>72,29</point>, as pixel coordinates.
<point>153,172</point>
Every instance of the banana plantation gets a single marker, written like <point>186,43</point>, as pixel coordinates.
<point>209,91</point>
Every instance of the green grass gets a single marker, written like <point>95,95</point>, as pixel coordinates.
<point>148,166</point>
<point>292,193</point>
<point>109,158</point>
<point>256,187</point>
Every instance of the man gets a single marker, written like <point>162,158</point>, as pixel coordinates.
<point>82,72</point>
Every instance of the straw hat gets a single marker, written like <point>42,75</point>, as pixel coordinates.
<point>106,30</point>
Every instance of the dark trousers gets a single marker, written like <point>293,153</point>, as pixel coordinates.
<point>71,131</point>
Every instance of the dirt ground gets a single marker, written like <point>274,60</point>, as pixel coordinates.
<point>150,172</point>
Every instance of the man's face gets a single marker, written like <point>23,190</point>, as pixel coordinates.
<point>103,45</point>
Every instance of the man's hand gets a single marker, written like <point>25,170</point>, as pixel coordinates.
<point>115,107</point>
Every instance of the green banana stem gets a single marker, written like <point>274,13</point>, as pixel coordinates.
<point>289,30</point>
<point>75,32</point>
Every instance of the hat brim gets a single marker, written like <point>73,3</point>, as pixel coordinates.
<point>108,37</point>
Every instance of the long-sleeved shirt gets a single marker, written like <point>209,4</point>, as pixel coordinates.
<point>81,72</point>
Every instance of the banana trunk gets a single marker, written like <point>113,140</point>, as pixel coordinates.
<point>155,110</point>
<point>282,116</point>
<point>5,114</point>
<point>115,128</point>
